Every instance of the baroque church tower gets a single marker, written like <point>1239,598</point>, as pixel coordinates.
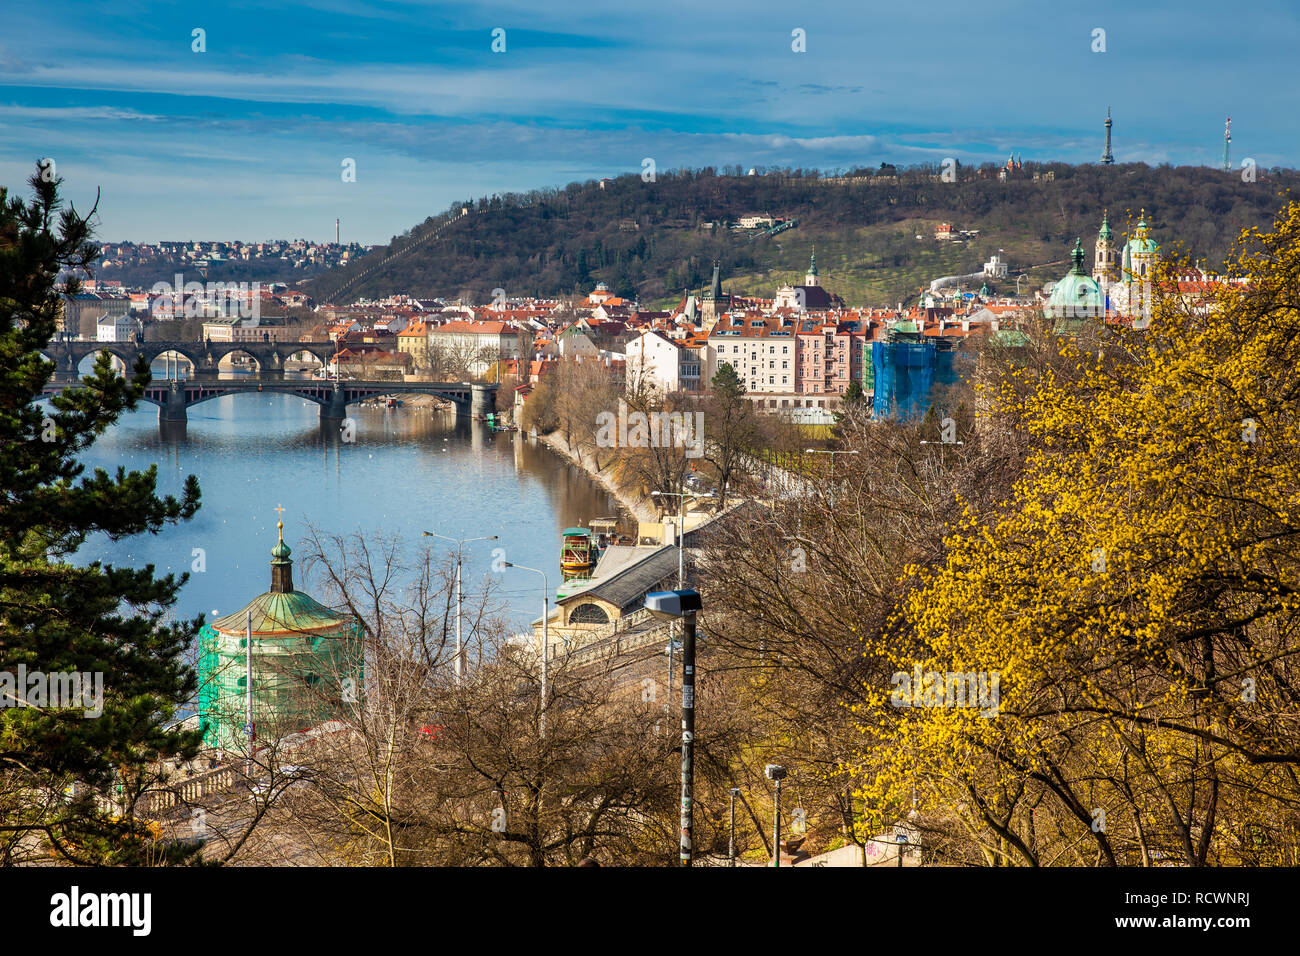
<point>1104,263</point>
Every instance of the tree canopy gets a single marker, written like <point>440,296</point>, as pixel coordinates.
<point>68,776</point>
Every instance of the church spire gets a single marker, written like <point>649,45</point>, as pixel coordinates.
<point>1078,256</point>
<point>281,563</point>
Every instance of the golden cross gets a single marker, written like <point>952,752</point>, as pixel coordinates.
<point>280,510</point>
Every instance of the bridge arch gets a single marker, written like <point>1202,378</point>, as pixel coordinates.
<point>321,352</point>
<point>123,358</point>
<point>172,362</point>
<point>227,361</point>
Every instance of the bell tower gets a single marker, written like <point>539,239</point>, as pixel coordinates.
<point>1103,264</point>
<point>812,277</point>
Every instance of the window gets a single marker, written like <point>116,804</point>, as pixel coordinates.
<point>588,614</point>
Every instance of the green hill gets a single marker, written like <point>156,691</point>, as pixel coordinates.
<point>650,240</point>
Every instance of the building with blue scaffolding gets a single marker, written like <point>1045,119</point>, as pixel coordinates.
<point>907,371</point>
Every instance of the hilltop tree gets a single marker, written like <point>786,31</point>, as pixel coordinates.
<point>59,617</point>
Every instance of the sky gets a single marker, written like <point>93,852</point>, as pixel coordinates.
<point>247,138</point>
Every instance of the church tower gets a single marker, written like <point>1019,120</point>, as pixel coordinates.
<point>1104,264</point>
<point>715,301</point>
<point>811,278</point>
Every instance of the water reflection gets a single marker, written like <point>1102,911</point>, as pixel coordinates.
<point>409,469</point>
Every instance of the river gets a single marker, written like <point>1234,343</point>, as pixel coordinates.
<point>409,470</point>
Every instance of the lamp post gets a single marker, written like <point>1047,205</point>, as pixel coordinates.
<point>681,497</point>
<point>774,771</point>
<point>681,565</point>
<point>460,596</point>
<point>683,604</point>
<point>731,844</point>
<point>546,638</point>
<point>250,729</point>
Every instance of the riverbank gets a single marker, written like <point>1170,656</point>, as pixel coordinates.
<point>411,400</point>
<point>639,507</point>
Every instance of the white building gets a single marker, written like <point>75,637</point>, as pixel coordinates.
<point>995,268</point>
<point>654,360</point>
<point>115,328</point>
<point>478,344</point>
<point>390,323</point>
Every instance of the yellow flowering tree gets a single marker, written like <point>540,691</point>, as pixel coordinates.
<point>1106,658</point>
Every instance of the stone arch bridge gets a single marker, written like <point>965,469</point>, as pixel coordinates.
<point>174,397</point>
<point>206,356</point>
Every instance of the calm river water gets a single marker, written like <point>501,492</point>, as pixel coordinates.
<point>409,470</point>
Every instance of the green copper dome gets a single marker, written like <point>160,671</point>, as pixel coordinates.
<point>1141,244</point>
<point>1105,232</point>
<point>280,615</point>
<point>1077,295</point>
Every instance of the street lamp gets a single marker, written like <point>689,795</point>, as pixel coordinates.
<point>684,604</point>
<point>460,596</point>
<point>681,559</point>
<point>731,845</point>
<point>774,771</point>
<point>905,837</point>
<point>546,637</point>
<point>681,497</point>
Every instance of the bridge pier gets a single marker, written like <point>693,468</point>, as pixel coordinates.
<point>173,410</point>
<point>482,400</point>
<point>336,409</point>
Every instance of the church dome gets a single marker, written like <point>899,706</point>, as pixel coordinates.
<point>1141,244</point>
<point>303,659</point>
<point>1078,295</point>
<point>276,614</point>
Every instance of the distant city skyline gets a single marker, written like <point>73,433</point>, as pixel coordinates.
<point>246,140</point>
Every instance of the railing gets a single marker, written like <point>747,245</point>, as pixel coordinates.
<point>614,646</point>
<point>187,791</point>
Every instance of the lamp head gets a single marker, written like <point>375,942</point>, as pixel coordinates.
<point>774,771</point>
<point>671,604</point>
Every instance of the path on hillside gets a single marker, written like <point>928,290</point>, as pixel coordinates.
<point>393,255</point>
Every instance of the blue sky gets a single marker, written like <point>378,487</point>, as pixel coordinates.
<point>246,140</point>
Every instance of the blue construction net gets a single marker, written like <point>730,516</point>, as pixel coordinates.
<point>905,375</point>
